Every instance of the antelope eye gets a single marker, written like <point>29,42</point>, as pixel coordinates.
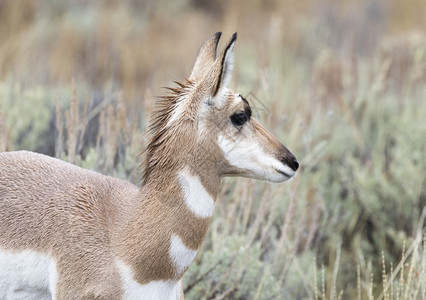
<point>238,119</point>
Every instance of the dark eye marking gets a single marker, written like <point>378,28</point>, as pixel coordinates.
<point>240,118</point>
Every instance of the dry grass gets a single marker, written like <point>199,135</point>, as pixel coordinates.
<point>342,84</point>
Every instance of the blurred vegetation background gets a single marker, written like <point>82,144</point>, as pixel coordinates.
<point>341,83</point>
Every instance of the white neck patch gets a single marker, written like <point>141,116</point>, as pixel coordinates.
<point>161,289</point>
<point>196,197</point>
<point>181,255</point>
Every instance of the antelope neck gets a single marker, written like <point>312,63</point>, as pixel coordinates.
<point>185,188</point>
<point>167,223</point>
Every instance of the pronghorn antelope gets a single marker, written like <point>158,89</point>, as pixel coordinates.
<point>70,233</point>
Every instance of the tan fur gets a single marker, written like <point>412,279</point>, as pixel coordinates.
<point>86,221</point>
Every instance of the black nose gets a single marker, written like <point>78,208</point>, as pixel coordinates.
<point>295,165</point>
<point>291,162</point>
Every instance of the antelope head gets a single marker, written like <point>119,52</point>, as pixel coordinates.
<point>220,123</point>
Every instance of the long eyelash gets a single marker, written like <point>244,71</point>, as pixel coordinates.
<point>247,107</point>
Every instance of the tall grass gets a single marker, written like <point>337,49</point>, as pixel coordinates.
<point>341,84</point>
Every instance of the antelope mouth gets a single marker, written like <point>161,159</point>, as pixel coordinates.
<point>284,173</point>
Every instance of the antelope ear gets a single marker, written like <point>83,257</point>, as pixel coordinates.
<point>224,66</point>
<point>206,57</point>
